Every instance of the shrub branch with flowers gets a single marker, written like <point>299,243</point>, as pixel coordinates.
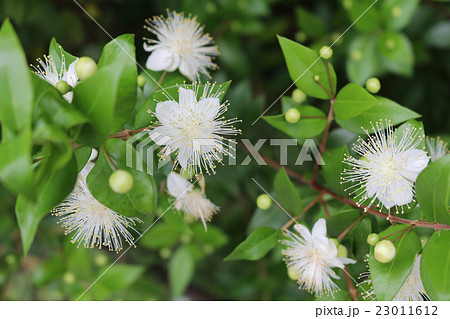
<point>65,150</point>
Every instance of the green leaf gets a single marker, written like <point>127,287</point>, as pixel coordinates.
<point>57,52</point>
<point>303,64</point>
<point>433,189</point>
<point>16,90</point>
<point>214,236</point>
<point>365,13</point>
<point>143,117</point>
<point>384,109</point>
<point>286,194</point>
<point>388,278</point>
<point>435,266</point>
<point>82,155</point>
<point>141,199</point>
<point>438,35</point>
<point>305,128</point>
<point>15,164</point>
<point>309,23</point>
<point>333,168</point>
<point>256,246</point>
<point>50,193</point>
<point>362,62</point>
<point>398,13</point>
<point>120,53</point>
<point>181,270</point>
<point>160,236</point>
<point>396,53</point>
<point>351,101</point>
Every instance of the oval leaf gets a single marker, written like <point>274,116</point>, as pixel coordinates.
<point>257,244</point>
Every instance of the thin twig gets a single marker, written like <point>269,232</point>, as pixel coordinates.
<point>109,158</point>
<point>351,289</point>
<point>305,209</point>
<point>345,232</point>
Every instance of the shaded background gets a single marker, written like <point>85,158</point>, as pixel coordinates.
<point>245,31</point>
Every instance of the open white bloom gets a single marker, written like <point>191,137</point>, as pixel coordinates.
<point>311,255</point>
<point>388,167</point>
<point>180,44</point>
<point>411,290</point>
<point>93,224</point>
<point>48,71</point>
<point>194,129</point>
<point>192,202</point>
<point>437,148</point>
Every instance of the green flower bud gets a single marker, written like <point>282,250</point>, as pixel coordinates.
<point>298,96</point>
<point>326,52</point>
<point>372,239</point>
<point>69,278</point>
<point>356,55</point>
<point>141,81</point>
<point>165,253</point>
<point>342,251</point>
<point>292,275</point>
<point>208,249</point>
<point>397,12</point>
<point>63,87</point>
<point>347,4</point>
<point>185,238</point>
<point>316,78</point>
<point>384,251</point>
<point>300,36</point>
<point>335,241</point>
<point>100,260</point>
<point>264,201</point>
<point>373,85</point>
<point>292,116</point>
<point>121,181</point>
<point>85,67</point>
<point>10,259</point>
<point>390,44</point>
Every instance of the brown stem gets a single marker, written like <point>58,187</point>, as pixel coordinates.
<point>399,231</point>
<point>403,234</point>
<point>348,201</point>
<point>351,288</point>
<point>124,134</point>
<point>143,94</point>
<point>323,88</point>
<point>329,77</point>
<point>313,117</point>
<point>305,209</point>
<point>345,232</point>
<point>325,208</point>
<point>109,158</point>
<point>160,80</point>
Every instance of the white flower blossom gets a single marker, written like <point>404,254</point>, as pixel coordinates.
<point>93,224</point>
<point>180,44</point>
<point>388,167</point>
<point>48,71</point>
<point>189,200</point>
<point>311,257</point>
<point>194,129</point>
<point>436,148</point>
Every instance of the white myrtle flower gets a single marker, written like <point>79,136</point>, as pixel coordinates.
<point>48,71</point>
<point>411,290</point>
<point>180,44</point>
<point>436,148</point>
<point>311,257</point>
<point>189,200</point>
<point>194,129</point>
<point>93,224</point>
<point>388,167</point>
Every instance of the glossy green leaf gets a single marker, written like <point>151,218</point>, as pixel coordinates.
<point>365,13</point>
<point>388,278</point>
<point>384,109</point>
<point>309,23</point>
<point>181,269</point>
<point>362,62</point>
<point>305,128</point>
<point>398,13</point>
<point>16,90</point>
<point>57,53</point>
<point>433,191</point>
<point>351,101</point>
<point>82,155</point>
<point>213,236</point>
<point>256,245</point>
<point>141,199</point>
<point>50,193</point>
<point>160,235</point>
<point>333,168</point>
<point>396,53</point>
<point>303,64</point>
<point>435,266</point>
<point>286,194</point>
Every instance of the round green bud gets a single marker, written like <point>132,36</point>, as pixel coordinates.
<point>121,181</point>
<point>85,67</point>
<point>390,44</point>
<point>300,36</point>
<point>347,4</point>
<point>185,238</point>
<point>292,116</point>
<point>373,85</point>
<point>424,240</point>
<point>316,78</point>
<point>372,239</point>
<point>326,52</point>
<point>63,87</point>
<point>292,274</point>
<point>384,251</point>
<point>100,260</point>
<point>165,253</point>
<point>10,259</point>
<point>397,12</point>
<point>208,249</point>
<point>298,96</point>
<point>356,55</point>
<point>342,251</point>
<point>264,201</point>
<point>69,278</point>
<point>141,81</point>
<point>189,219</point>
<point>335,241</point>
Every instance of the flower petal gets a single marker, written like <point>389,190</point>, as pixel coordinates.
<point>167,112</point>
<point>187,98</point>
<point>208,108</point>
<point>71,76</point>
<point>160,59</point>
<point>177,186</point>
<point>416,161</point>
<point>319,229</point>
<point>187,71</point>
